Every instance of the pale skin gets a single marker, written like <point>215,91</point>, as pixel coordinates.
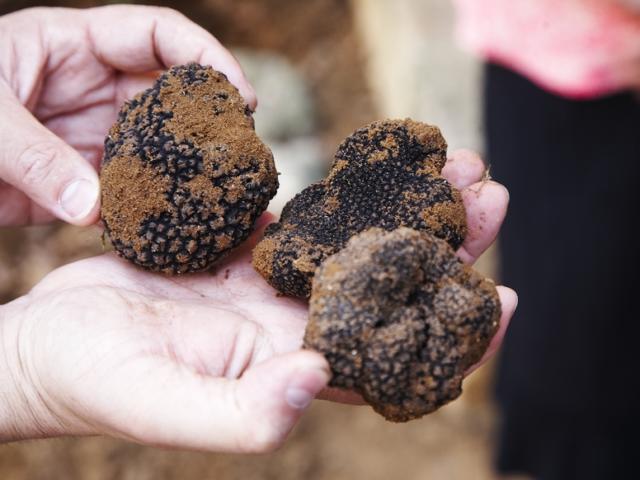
<point>211,361</point>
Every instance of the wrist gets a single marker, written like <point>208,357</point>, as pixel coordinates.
<point>23,411</point>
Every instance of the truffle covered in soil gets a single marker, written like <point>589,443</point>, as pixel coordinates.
<point>184,175</point>
<point>400,319</point>
<point>385,175</point>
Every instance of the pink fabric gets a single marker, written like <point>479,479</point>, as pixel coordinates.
<point>577,48</point>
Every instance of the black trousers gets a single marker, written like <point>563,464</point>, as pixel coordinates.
<point>569,364</point>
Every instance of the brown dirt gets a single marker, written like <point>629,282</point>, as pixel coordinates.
<point>134,193</point>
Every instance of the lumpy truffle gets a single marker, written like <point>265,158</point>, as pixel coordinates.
<point>400,319</point>
<point>184,175</point>
<point>384,175</point>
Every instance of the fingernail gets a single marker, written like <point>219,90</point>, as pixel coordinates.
<point>304,387</point>
<point>79,198</point>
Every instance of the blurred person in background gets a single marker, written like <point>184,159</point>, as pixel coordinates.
<point>562,123</point>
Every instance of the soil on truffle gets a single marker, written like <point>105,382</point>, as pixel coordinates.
<point>384,175</point>
<point>400,319</point>
<point>184,175</point>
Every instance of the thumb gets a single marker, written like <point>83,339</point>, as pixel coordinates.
<point>251,414</point>
<point>276,393</point>
<point>43,166</point>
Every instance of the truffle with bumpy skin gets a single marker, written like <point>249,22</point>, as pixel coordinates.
<point>184,175</point>
<point>385,175</point>
<point>400,319</point>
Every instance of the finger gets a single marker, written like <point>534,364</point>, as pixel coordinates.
<point>486,205</point>
<point>139,39</point>
<point>509,302</point>
<point>44,167</point>
<point>179,408</point>
<point>463,168</point>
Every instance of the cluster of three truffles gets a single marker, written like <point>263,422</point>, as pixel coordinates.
<point>397,315</point>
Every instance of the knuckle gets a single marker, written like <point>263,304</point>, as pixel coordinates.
<point>36,164</point>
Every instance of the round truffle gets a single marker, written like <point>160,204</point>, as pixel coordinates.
<point>400,319</point>
<point>384,175</point>
<point>184,175</point>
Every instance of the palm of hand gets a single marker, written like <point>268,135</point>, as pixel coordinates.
<point>218,323</point>
<point>136,335</point>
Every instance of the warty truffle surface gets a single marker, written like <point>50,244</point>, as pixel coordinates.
<point>386,175</point>
<point>184,175</point>
<point>400,319</point>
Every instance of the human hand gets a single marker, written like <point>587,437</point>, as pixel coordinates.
<point>207,361</point>
<point>63,75</point>
<point>204,361</point>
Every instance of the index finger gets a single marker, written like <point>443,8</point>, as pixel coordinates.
<point>139,39</point>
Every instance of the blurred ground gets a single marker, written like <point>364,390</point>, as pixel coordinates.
<point>335,66</point>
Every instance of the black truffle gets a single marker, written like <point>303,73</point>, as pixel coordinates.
<point>184,175</point>
<point>385,175</point>
<point>400,319</point>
